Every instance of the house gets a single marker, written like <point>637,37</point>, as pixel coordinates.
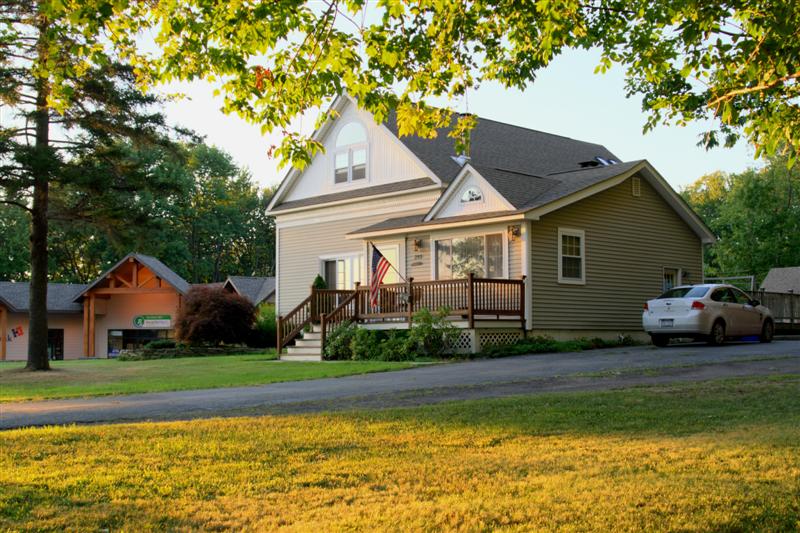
<point>132,303</point>
<point>782,280</point>
<point>528,233</point>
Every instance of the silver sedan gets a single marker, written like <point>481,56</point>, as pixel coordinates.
<point>710,312</point>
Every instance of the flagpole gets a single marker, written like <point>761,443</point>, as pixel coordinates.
<point>390,264</point>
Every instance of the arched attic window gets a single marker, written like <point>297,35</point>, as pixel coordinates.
<point>350,157</point>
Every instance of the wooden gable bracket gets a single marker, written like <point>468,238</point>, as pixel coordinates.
<point>147,280</point>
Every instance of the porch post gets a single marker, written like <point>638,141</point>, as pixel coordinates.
<point>357,304</point>
<point>91,325</point>
<point>471,300</point>
<point>313,307</point>
<point>522,317</point>
<point>410,304</point>
<point>278,338</point>
<point>85,327</point>
<point>322,335</point>
<point>3,332</point>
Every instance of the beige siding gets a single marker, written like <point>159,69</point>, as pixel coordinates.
<point>629,240</point>
<point>418,262</point>
<point>17,334</point>
<point>300,249</point>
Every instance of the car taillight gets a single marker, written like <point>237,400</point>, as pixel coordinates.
<point>698,305</point>
<point>646,307</point>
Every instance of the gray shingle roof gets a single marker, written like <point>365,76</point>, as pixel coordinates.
<point>60,296</point>
<point>255,289</point>
<point>160,269</point>
<point>503,146</point>
<point>783,279</point>
<point>418,220</point>
<point>356,193</point>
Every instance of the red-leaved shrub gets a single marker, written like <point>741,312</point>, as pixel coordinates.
<point>214,316</point>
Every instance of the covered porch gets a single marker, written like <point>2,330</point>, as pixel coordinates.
<point>470,302</point>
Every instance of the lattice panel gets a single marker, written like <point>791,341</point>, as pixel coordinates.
<point>463,343</point>
<point>498,338</point>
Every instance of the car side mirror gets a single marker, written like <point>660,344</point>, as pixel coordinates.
<point>755,303</point>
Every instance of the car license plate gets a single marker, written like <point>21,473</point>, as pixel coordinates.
<point>666,322</point>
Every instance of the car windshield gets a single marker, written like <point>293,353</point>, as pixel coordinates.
<point>685,292</point>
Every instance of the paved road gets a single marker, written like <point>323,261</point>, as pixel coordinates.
<point>428,384</point>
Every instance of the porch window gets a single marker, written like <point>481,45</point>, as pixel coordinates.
<point>571,268</point>
<point>350,157</point>
<point>482,255</point>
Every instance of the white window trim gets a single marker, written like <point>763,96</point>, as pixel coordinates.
<point>678,275</point>
<point>574,233</point>
<point>348,149</point>
<point>356,256</point>
<point>483,233</point>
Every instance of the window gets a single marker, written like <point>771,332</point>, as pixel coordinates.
<point>571,256</point>
<point>473,194</point>
<point>343,272</point>
<point>672,278</point>
<point>684,292</point>
<point>481,255</point>
<point>741,297</point>
<point>350,157</point>
<point>723,295</point>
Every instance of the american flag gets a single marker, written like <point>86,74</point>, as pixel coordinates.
<point>380,266</point>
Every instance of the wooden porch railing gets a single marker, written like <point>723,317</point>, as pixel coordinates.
<point>470,298</point>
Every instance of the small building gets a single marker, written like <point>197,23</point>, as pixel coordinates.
<point>132,303</point>
<point>785,279</point>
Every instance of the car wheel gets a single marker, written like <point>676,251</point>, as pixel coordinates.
<point>767,331</point>
<point>660,340</point>
<point>717,335</point>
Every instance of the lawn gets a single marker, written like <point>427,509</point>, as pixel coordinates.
<point>70,379</point>
<point>721,456</point>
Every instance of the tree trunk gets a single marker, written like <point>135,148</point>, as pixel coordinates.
<point>37,326</point>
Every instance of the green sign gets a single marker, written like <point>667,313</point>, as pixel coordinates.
<point>152,321</point>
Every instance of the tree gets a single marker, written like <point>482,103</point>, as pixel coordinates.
<point>756,216</point>
<point>73,103</point>
<point>215,316</point>
<point>735,62</point>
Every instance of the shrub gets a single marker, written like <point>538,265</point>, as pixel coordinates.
<point>265,328</point>
<point>160,344</point>
<point>544,344</point>
<point>319,283</point>
<point>366,345</point>
<point>397,347</point>
<point>214,316</point>
<point>431,334</point>
<point>337,344</point>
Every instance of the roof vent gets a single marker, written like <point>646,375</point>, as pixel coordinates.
<point>606,162</point>
<point>461,159</point>
<point>589,164</point>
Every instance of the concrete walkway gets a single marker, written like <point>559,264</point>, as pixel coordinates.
<point>610,368</point>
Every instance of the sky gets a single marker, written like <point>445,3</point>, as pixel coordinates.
<point>567,99</point>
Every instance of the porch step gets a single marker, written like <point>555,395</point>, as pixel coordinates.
<point>301,358</point>
<point>312,335</point>
<point>304,350</point>
<point>308,343</point>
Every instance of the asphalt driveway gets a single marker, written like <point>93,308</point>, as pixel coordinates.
<point>591,370</point>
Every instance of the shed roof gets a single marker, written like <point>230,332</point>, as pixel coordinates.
<point>782,279</point>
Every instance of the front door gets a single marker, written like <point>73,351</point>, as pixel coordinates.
<point>55,344</point>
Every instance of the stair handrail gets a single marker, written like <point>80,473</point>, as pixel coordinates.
<point>339,315</point>
<point>289,327</point>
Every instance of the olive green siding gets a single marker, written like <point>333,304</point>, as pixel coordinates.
<point>629,241</point>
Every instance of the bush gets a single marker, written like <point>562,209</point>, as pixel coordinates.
<point>265,328</point>
<point>366,345</point>
<point>397,347</point>
<point>160,344</point>
<point>543,344</point>
<point>337,344</point>
<point>432,335</point>
<point>319,283</point>
<point>214,316</point>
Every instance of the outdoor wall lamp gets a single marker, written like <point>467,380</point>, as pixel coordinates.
<point>514,232</point>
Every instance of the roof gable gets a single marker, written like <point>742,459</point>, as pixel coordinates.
<point>159,270</point>
<point>453,202</point>
<point>255,289</point>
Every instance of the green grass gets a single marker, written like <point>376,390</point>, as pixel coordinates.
<point>70,379</point>
<point>718,456</point>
